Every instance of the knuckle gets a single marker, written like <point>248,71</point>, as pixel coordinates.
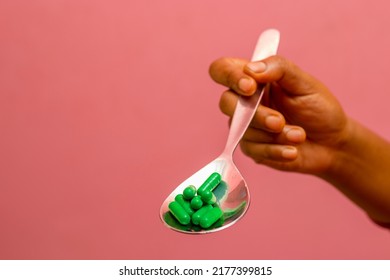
<point>280,66</point>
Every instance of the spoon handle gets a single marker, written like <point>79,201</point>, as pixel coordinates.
<point>266,46</point>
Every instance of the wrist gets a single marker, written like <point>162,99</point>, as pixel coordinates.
<point>357,170</point>
<point>343,152</point>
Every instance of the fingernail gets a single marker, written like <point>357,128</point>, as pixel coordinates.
<point>273,123</point>
<point>245,85</point>
<point>294,135</point>
<point>289,153</point>
<point>257,67</point>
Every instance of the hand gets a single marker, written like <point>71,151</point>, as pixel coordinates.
<point>299,126</point>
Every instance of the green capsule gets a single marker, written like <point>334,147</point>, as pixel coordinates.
<point>189,192</point>
<point>209,197</point>
<point>196,202</point>
<point>173,222</point>
<point>213,200</point>
<point>218,223</point>
<point>200,213</point>
<point>208,219</point>
<point>211,183</point>
<point>179,213</point>
<point>185,204</point>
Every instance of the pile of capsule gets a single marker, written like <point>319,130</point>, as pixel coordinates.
<point>198,207</point>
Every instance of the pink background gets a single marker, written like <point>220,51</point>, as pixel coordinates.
<point>105,106</point>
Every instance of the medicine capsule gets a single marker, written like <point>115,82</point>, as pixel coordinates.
<point>211,183</point>
<point>179,213</point>
<point>200,213</point>
<point>196,202</point>
<point>218,223</point>
<point>189,192</point>
<point>208,219</point>
<point>185,204</point>
<point>173,222</point>
<point>209,197</point>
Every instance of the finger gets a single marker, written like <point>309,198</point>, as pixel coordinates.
<point>264,118</point>
<point>289,76</point>
<point>261,152</point>
<point>229,72</point>
<point>291,135</point>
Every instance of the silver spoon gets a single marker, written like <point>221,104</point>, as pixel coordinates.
<point>232,193</point>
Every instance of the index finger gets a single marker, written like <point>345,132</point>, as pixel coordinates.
<point>230,72</point>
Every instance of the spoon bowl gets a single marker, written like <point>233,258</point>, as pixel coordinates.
<point>232,193</point>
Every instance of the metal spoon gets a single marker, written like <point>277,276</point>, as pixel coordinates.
<point>232,193</point>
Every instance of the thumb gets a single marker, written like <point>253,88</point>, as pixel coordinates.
<point>285,73</point>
